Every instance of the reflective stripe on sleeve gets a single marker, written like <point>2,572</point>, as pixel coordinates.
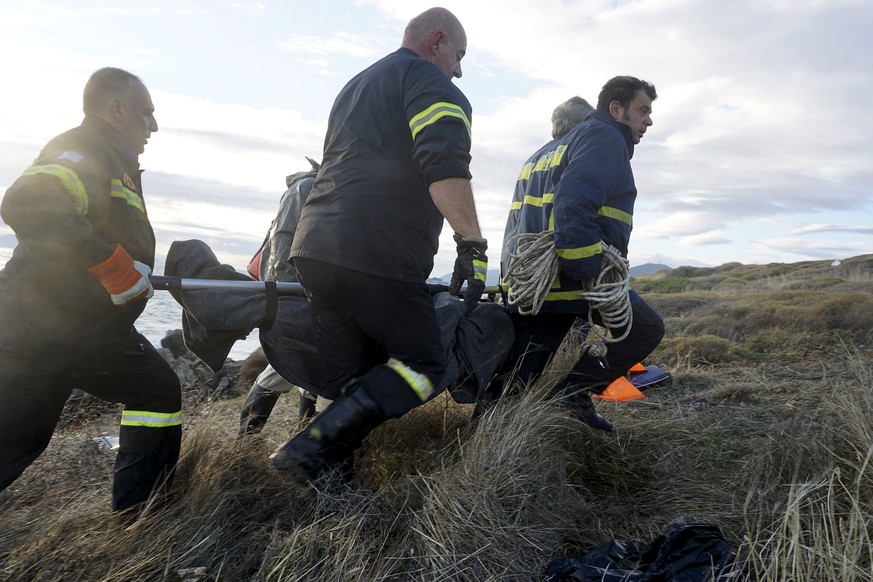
<point>480,270</point>
<point>419,383</point>
<point>70,181</point>
<point>150,419</point>
<point>436,112</point>
<point>581,252</point>
<point>563,296</point>
<point>131,197</point>
<point>616,214</point>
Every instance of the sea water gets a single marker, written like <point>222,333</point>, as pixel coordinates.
<point>163,314</point>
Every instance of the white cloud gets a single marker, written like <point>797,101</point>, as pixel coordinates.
<point>714,237</point>
<point>761,137</point>
<point>339,43</point>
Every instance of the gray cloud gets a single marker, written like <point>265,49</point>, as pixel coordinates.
<point>762,125</point>
<point>169,187</point>
<point>818,228</point>
<point>762,109</point>
<point>234,142</point>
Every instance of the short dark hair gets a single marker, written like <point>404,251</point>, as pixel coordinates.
<point>568,115</point>
<point>105,84</point>
<point>623,89</point>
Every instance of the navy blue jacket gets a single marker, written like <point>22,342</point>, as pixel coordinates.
<point>394,129</point>
<point>581,186</point>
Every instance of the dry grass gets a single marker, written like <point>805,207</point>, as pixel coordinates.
<point>764,430</point>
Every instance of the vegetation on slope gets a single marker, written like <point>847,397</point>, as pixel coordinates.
<point>764,430</point>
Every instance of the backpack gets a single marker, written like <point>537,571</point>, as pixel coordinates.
<point>298,186</point>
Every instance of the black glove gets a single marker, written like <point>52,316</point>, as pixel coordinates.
<point>470,266</point>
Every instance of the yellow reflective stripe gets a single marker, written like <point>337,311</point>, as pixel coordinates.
<point>581,252</point>
<point>480,269</point>
<point>150,419</point>
<point>126,194</point>
<point>538,201</point>
<point>70,181</point>
<point>550,159</point>
<point>436,112</point>
<point>525,171</point>
<point>563,296</point>
<point>616,214</point>
<point>419,383</point>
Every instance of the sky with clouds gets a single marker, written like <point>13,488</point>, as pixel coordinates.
<point>760,150</point>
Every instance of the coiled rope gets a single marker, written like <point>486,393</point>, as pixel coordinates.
<point>534,267</point>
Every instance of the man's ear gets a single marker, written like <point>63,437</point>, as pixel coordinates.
<point>616,110</point>
<point>436,39</point>
<point>116,108</point>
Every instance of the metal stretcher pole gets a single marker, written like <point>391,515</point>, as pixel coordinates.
<point>166,283</point>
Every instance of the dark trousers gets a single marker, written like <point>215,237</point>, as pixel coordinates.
<point>34,391</point>
<point>538,337</point>
<point>362,321</point>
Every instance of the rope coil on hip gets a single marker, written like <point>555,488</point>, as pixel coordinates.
<point>534,267</point>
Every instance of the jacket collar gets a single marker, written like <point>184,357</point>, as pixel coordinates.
<point>623,129</point>
<point>111,135</point>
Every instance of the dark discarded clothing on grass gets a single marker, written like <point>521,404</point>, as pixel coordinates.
<point>685,553</point>
<point>214,319</point>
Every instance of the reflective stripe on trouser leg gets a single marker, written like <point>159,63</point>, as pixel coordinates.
<point>148,450</point>
<point>419,383</point>
<point>396,387</point>
<point>150,419</point>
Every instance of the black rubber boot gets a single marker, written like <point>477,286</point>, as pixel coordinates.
<point>306,405</point>
<point>256,410</point>
<point>579,401</point>
<point>328,443</point>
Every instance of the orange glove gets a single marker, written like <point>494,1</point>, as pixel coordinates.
<point>123,278</point>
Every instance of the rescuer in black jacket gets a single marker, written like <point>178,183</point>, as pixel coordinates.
<point>75,285</point>
<point>396,163</point>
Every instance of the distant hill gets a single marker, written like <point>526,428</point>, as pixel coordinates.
<point>493,277</point>
<point>647,268</point>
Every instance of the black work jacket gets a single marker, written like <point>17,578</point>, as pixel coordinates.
<point>394,129</point>
<point>82,194</point>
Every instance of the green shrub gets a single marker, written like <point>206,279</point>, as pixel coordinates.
<point>678,304</point>
<point>665,285</point>
<point>706,349</point>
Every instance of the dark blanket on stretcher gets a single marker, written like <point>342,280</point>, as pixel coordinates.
<point>214,319</point>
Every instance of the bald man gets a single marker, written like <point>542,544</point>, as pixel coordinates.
<point>75,285</point>
<point>395,166</point>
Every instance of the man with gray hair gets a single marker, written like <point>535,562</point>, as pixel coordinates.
<point>395,166</point>
<point>580,188</point>
<point>568,115</point>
